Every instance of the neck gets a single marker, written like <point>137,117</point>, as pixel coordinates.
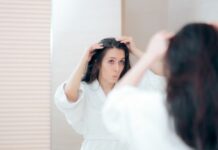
<point>106,86</point>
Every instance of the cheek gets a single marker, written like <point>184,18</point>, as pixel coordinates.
<point>107,65</point>
<point>106,69</point>
<point>122,67</point>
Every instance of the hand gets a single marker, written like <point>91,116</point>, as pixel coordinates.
<point>92,49</point>
<point>214,24</point>
<point>158,45</point>
<point>130,44</point>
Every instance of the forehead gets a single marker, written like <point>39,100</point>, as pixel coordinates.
<point>115,52</point>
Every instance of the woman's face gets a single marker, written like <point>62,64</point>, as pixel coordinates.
<point>112,65</point>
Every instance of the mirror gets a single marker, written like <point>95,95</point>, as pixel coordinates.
<point>77,24</point>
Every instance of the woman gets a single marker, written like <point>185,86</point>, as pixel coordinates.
<point>186,116</point>
<point>82,97</point>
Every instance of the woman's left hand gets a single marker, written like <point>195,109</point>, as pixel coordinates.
<point>131,45</point>
<point>158,45</point>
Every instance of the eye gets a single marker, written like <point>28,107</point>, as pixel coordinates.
<point>122,62</point>
<point>111,61</point>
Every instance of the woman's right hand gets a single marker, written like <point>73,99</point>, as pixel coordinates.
<point>90,51</point>
<point>131,45</point>
<point>72,86</point>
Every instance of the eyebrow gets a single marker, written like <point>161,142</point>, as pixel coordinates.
<point>116,58</point>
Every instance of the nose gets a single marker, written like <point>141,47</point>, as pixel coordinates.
<point>117,67</point>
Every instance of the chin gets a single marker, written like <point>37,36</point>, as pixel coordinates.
<point>114,81</point>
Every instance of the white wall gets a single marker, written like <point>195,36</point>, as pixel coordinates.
<point>207,10</point>
<point>181,12</point>
<point>75,25</point>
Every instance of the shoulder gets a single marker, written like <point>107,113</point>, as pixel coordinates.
<point>130,100</point>
<point>138,116</point>
<point>91,86</point>
<point>133,95</point>
<point>129,109</point>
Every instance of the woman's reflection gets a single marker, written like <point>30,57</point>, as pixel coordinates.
<point>82,97</point>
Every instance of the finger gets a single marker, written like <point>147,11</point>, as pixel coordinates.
<point>97,48</point>
<point>125,41</point>
<point>214,24</point>
<point>93,45</point>
<point>169,35</point>
<point>122,38</point>
<point>165,34</point>
<point>97,45</point>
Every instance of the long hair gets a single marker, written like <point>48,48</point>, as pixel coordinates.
<point>192,89</point>
<point>94,64</point>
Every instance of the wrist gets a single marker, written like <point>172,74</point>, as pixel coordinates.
<point>138,53</point>
<point>147,59</point>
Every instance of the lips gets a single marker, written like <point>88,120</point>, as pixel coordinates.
<point>115,77</point>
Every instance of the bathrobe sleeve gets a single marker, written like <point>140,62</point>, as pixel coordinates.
<point>74,111</point>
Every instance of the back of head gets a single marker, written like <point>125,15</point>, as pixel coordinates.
<point>93,67</point>
<point>192,90</point>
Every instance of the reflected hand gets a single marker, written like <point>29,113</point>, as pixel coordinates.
<point>92,49</point>
<point>130,44</point>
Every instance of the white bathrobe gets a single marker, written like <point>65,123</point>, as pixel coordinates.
<point>152,82</point>
<point>140,119</point>
<point>85,116</point>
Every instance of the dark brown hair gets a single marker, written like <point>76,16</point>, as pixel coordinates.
<point>94,64</point>
<point>192,90</point>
